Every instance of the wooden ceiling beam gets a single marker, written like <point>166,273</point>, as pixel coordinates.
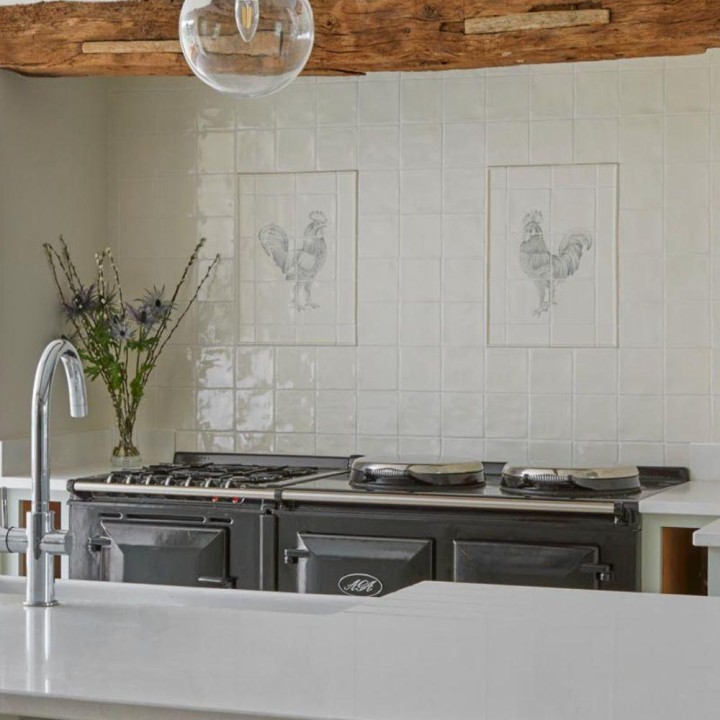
<point>358,36</point>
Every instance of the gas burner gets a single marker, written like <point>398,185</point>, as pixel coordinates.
<point>208,475</point>
<point>379,475</point>
<point>570,483</point>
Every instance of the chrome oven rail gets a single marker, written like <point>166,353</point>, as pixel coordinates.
<point>349,498</point>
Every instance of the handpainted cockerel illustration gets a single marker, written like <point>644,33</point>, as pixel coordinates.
<point>544,268</point>
<point>300,263</point>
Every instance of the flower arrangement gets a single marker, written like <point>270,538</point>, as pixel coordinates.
<point>120,341</point>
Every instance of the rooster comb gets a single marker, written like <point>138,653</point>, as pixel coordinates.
<point>533,217</point>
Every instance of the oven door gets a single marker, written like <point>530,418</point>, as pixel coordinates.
<point>362,566</point>
<point>161,554</point>
<point>512,563</point>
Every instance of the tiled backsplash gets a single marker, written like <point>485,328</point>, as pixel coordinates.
<point>421,378</point>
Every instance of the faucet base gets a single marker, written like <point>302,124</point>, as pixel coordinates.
<point>52,603</point>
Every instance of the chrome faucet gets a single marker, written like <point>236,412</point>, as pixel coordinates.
<point>41,541</point>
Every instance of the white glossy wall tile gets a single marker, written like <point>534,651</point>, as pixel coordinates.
<point>422,378</point>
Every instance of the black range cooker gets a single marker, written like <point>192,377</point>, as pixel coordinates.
<point>206,520</point>
<point>360,526</point>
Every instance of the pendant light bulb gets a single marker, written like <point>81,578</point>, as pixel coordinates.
<point>247,16</point>
<point>229,48</point>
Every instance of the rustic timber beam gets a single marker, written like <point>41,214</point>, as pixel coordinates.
<point>134,37</point>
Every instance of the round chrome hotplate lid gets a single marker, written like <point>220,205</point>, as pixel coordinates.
<point>390,474</point>
<point>551,481</point>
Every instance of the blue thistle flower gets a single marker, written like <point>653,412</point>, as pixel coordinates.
<point>142,315</point>
<point>120,330</point>
<point>154,301</point>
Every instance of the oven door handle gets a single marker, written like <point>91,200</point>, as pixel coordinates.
<point>224,582</point>
<point>602,571</point>
<point>292,555</point>
<point>99,542</point>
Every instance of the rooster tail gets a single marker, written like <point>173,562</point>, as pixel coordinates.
<point>573,244</point>
<point>275,243</point>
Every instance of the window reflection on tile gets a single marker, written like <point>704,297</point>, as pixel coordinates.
<point>295,443</point>
<point>255,442</point>
<point>216,323</point>
<point>215,410</point>
<point>215,367</point>
<point>254,410</point>
<point>295,411</point>
<point>216,152</point>
<point>215,442</point>
<point>221,285</point>
<point>219,233</point>
<point>295,368</point>
<point>255,367</point>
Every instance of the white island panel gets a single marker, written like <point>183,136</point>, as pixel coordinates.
<point>436,650</point>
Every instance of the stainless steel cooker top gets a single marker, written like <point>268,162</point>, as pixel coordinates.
<point>375,481</point>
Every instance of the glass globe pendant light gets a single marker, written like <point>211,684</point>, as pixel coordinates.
<point>247,48</point>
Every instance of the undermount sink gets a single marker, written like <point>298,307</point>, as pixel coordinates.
<point>77,592</point>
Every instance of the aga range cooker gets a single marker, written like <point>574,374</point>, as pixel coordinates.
<point>360,526</point>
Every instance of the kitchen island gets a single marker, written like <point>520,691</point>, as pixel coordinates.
<point>435,650</point>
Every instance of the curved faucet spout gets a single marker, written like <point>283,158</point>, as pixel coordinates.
<point>41,530</point>
<point>57,351</point>
<point>61,350</point>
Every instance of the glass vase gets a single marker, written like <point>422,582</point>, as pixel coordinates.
<point>125,455</point>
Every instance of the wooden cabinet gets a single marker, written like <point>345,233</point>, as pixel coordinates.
<point>671,564</point>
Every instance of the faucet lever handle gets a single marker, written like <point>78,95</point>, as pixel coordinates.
<point>4,518</point>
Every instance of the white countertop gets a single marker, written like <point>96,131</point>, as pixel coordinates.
<point>436,650</point>
<point>708,536</point>
<point>58,478</point>
<point>697,497</point>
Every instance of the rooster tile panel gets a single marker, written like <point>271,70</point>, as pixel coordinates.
<point>297,264</point>
<point>552,268</point>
